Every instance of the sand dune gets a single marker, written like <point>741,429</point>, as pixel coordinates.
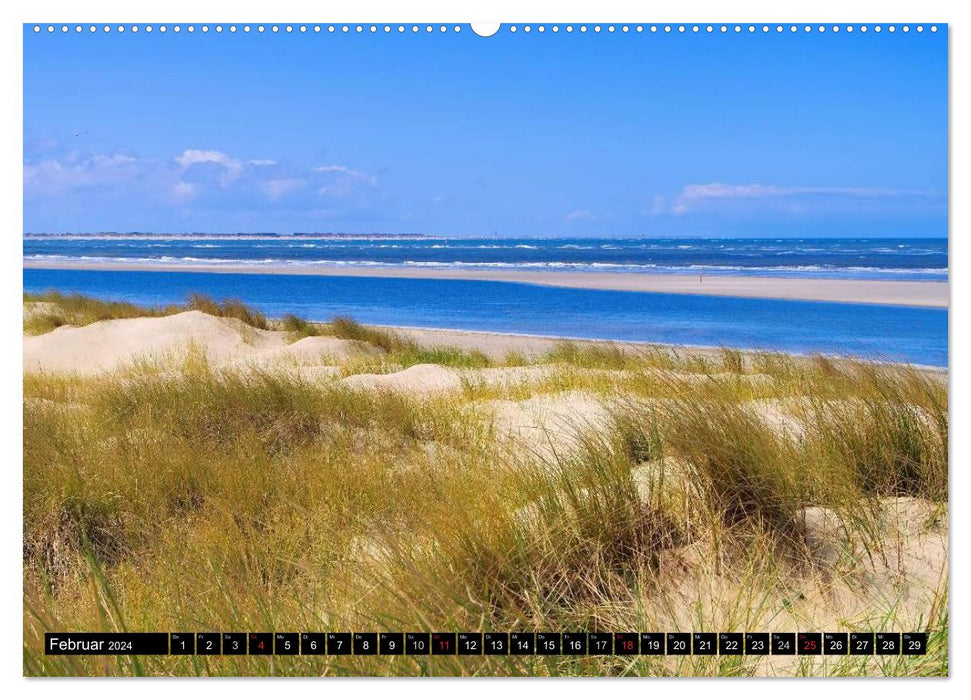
<point>416,380</point>
<point>109,345</point>
<point>839,569</point>
<point>315,348</point>
<point>548,425</point>
<point>315,352</point>
<point>493,345</point>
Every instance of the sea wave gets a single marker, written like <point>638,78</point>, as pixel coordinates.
<point>646,268</point>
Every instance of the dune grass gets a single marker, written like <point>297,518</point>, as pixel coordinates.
<point>299,327</point>
<point>52,309</point>
<point>228,308</point>
<point>401,352</point>
<point>205,501</point>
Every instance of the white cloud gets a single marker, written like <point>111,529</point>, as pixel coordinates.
<point>183,190</point>
<point>112,161</point>
<point>580,215</point>
<point>76,170</point>
<point>342,182</point>
<point>279,188</point>
<point>207,178</point>
<point>344,170</point>
<point>693,195</point>
<point>192,156</point>
<point>232,167</point>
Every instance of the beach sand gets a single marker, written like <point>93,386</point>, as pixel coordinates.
<point>902,293</point>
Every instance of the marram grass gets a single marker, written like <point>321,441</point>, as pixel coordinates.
<point>196,500</point>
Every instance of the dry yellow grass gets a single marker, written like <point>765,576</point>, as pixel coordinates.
<point>746,492</point>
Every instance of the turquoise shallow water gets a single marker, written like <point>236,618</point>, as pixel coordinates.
<point>916,335</point>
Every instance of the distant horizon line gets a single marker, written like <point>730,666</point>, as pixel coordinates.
<point>430,236</point>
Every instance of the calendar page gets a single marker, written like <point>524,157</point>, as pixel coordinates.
<point>485,349</point>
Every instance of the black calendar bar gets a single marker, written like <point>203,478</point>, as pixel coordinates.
<point>489,643</point>
<point>105,643</point>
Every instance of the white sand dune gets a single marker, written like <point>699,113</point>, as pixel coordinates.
<point>493,345</point>
<point>109,345</point>
<point>321,354</point>
<point>777,415</point>
<point>314,348</point>
<point>430,379</point>
<point>901,568</point>
<point>548,425</point>
<point>417,380</point>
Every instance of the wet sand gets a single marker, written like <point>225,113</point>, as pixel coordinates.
<point>892,292</point>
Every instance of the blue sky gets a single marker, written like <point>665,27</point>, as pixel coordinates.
<point>539,134</point>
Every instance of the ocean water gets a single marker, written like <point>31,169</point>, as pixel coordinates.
<point>912,259</point>
<point>916,335</point>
